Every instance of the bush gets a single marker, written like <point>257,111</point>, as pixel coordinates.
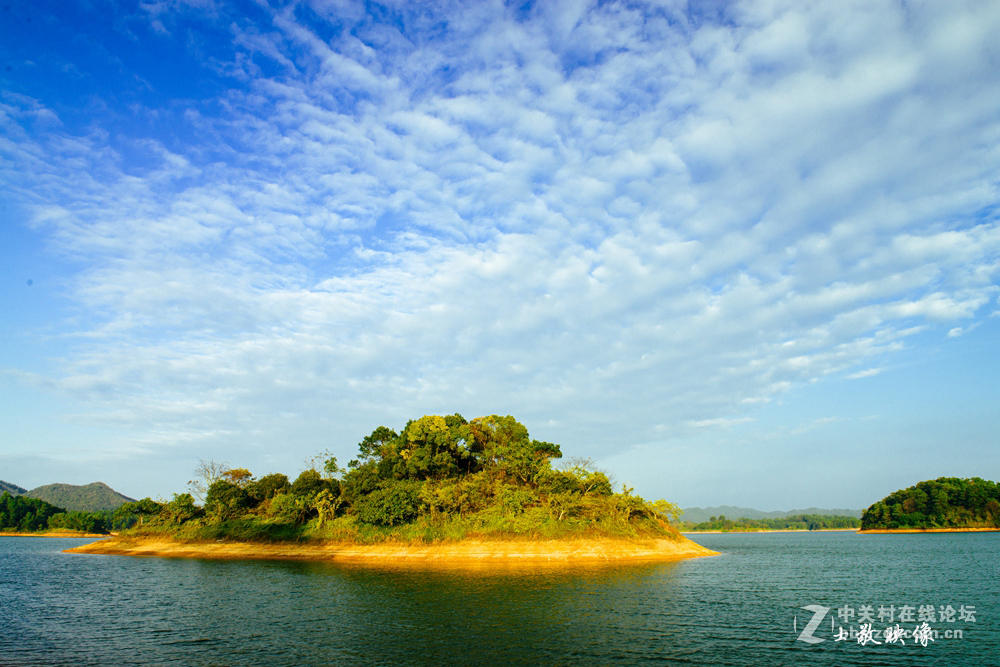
<point>361,480</point>
<point>393,504</point>
<point>288,507</point>
<point>268,487</point>
<point>514,500</point>
<point>20,513</point>
<point>180,509</point>
<point>87,522</point>
<point>225,500</point>
<point>309,483</point>
<point>129,514</point>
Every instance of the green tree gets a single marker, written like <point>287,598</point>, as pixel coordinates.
<point>504,449</point>
<point>180,509</point>
<point>326,505</point>
<point>330,468</point>
<point>586,478</point>
<point>396,502</point>
<point>310,482</point>
<point>361,480</point>
<point>376,445</point>
<point>87,522</point>
<point>668,511</point>
<point>291,508</point>
<point>137,512</point>
<point>268,486</point>
<point>240,477</point>
<point>225,500</point>
<point>430,449</point>
<point>23,514</point>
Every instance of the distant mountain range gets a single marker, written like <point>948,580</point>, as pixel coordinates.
<point>99,496</point>
<point>699,514</point>
<point>13,489</point>
<point>93,497</point>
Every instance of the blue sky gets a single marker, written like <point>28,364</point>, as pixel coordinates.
<point>737,253</point>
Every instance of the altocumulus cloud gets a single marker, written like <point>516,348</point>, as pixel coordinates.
<point>621,222</point>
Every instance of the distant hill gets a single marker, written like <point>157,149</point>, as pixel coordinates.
<point>13,489</point>
<point>88,498</point>
<point>699,514</point>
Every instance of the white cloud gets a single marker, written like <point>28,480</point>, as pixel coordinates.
<point>594,219</point>
<point>715,423</point>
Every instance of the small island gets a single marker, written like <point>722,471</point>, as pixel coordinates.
<point>24,516</point>
<point>795,522</point>
<point>945,504</point>
<point>444,489</point>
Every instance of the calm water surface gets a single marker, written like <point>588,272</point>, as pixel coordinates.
<point>741,608</point>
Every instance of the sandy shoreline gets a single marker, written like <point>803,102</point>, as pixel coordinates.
<point>449,553</point>
<point>54,534</point>
<point>903,531</point>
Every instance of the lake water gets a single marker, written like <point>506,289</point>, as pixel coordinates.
<point>741,608</point>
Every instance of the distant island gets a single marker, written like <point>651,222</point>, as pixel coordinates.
<point>942,504</point>
<point>59,509</point>
<point>696,515</point>
<point>23,515</point>
<point>795,522</point>
<point>442,487</point>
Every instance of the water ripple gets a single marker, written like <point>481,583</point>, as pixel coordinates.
<point>737,609</point>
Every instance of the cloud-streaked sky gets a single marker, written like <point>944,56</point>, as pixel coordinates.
<point>743,253</point>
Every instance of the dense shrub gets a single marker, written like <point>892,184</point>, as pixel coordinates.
<point>180,509</point>
<point>268,486</point>
<point>391,505</point>
<point>88,522</point>
<point>310,482</point>
<point>226,500</point>
<point>22,514</point>
<point>135,513</point>
<point>289,507</point>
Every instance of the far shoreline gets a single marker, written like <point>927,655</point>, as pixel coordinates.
<point>911,531</point>
<point>754,532</point>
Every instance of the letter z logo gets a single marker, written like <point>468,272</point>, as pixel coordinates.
<point>819,613</point>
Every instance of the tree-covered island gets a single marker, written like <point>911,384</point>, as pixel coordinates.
<point>441,479</point>
<point>945,503</point>
<point>24,515</point>
<point>794,522</point>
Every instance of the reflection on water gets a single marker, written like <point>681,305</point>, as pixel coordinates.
<point>734,609</point>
